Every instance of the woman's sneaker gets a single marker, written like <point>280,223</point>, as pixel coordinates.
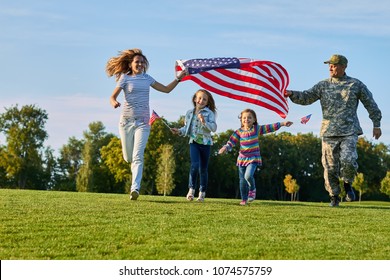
<point>243,203</point>
<point>201,197</point>
<point>252,195</point>
<point>190,194</point>
<point>134,195</point>
<point>334,201</point>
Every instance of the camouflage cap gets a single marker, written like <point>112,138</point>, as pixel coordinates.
<point>337,59</point>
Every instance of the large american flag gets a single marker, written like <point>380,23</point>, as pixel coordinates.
<point>259,82</point>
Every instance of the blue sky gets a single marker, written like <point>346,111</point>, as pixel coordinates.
<point>53,54</point>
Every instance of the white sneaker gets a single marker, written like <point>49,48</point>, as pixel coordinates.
<point>201,197</point>
<point>190,194</point>
<point>252,195</point>
<point>134,195</point>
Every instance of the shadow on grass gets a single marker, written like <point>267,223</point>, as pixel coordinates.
<point>274,203</point>
<point>349,205</point>
<point>167,201</point>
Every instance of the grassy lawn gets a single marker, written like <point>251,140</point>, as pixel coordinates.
<point>77,226</point>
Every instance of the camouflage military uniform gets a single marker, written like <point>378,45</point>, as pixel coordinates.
<point>339,98</point>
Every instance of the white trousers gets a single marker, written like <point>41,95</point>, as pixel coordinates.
<point>134,135</point>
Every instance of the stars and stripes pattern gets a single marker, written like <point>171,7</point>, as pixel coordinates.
<point>254,81</point>
<point>153,117</point>
<point>305,119</point>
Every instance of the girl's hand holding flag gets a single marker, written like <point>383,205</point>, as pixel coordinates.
<point>175,130</point>
<point>287,123</point>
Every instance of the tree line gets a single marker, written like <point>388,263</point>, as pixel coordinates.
<point>95,163</point>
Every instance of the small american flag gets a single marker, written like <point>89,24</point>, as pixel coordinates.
<point>254,81</point>
<point>305,119</point>
<point>153,117</point>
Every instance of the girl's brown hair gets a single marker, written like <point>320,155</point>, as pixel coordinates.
<point>210,103</point>
<point>121,64</point>
<point>251,112</point>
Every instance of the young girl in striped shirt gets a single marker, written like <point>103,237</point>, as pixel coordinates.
<point>249,157</point>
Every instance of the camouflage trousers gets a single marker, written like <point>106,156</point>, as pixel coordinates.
<point>339,159</point>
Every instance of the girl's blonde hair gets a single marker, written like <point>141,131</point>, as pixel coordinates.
<point>248,111</point>
<point>121,64</point>
<point>210,103</point>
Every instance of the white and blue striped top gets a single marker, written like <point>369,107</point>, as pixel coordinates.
<point>136,89</point>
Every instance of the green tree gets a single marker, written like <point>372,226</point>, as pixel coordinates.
<point>223,172</point>
<point>68,165</point>
<point>181,152</point>
<point>49,169</point>
<point>4,180</point>
<point>385,184</point>
<point>94,175</point>
<point>22,157</point>
<point>160,134</point>
<point>298,155</point>
<point>84,179</point>
<point>165,168</point>
<point>306,166</point>
<point>373,160</point>
<point>291,186</point>
<point>113,158</point>
<point>360,185</point>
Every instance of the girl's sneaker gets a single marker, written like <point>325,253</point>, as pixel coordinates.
<point>190,194</point>
<point>243,203</point>
<point>252,195</point>
<point>201,197</point>
<point>134,195</point>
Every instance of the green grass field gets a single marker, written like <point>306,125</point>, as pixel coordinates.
<point>77,226</point>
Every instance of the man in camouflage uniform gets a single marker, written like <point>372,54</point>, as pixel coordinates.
<point>339,96</point>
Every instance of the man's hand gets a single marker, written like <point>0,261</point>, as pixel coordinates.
<point>377,132</point>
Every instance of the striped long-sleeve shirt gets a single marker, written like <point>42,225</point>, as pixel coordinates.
<point>249,143</point>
